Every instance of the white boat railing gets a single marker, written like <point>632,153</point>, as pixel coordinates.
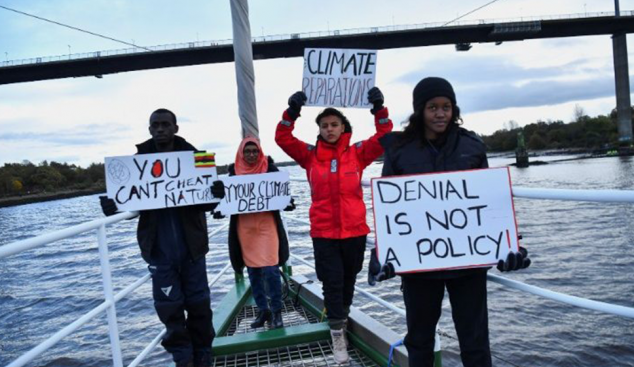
<point>110,298</point>
<point>614,196</point>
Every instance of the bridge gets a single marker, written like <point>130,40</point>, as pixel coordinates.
<point>462,34</point>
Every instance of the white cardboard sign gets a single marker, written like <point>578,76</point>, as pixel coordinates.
<point>255,193</point>
<point>338,77</point>
<point>159,180</point>
<point>444,221</point>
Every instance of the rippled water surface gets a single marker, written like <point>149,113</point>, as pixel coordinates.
<point>582,249</point>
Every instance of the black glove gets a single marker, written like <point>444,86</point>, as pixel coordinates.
<point>108,206</point>
<point>295,103</point>
<point>218,215</point>
<point>378,273</point>
<point>376,98</point>
<point>291,206</point>
<point>218,189</point>
<point>515,261</point>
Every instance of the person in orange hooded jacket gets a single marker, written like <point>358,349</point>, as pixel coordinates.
<point>337,213</point>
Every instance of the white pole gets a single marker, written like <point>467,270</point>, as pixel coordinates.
<point>113,329</point>
<point>245,75</point>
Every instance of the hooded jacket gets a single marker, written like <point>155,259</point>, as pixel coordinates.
<point>192,217</point>
<point>334,172</point>
<point>458,149</point>
<point>235,250</point>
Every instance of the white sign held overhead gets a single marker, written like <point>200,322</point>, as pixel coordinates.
<point>161,180</point>
<point>255,193</point>
<point>338,77</point>
<point>444,221</point>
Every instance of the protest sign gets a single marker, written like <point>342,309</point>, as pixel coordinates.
<point>444,221</point>
<point>255,193</point>
<point>160,180</point>
<point>338,77</point>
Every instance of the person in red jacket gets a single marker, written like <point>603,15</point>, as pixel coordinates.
<point>337,213</point>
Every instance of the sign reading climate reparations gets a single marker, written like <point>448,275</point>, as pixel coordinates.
<point>161,180</point>
<point>255,193</point>
<point>338,77</point>
<point>444,221</point>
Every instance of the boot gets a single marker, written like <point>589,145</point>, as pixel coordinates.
<point>339,350</point>
<point>277,322</point>
<point>263,316</point>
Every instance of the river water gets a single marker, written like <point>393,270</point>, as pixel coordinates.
<point>582,249</point>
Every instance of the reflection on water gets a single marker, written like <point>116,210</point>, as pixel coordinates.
<point>583,249</point>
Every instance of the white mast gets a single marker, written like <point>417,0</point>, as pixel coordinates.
<point>245,76</point>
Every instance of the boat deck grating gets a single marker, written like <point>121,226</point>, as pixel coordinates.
<point>291,315</point>
<point>318,354</point>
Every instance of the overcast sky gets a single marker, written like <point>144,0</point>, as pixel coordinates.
<point>85,119</point>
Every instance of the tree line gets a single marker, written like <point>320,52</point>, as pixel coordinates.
<point>591,133</point>
<point>27,178</point>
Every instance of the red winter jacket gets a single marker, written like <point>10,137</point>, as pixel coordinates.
<point>334,172</point>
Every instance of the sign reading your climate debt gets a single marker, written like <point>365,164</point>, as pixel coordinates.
<point>444,221</point>
<point>161,180</point>
<point>338,77</point>
<point>255,193</point>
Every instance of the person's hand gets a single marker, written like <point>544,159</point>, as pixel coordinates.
<point>108,206</point>
<point>218,215</point>
<point>375,97</point>
<point>378,273</point>
<point>295,103</point>
<point>515,261</point>
<point>291,206</point>
<point>218,189</point>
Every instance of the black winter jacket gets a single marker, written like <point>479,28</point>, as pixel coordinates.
<point>458,149</point>
<point>235,251</point>
<point>192,217</point>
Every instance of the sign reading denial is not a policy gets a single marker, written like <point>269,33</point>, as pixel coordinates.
<point>255,193</point>
<point>338,77</point>
<point>160,180</point>
<point>444,221</point>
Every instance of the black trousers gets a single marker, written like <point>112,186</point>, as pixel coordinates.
<point>468,298</point>
<point>337,263</point>
<point>180,288</point>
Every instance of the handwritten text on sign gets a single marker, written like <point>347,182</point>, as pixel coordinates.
<point>444,221</point>
<point>160,180</point>
<point>338,77</point>
<point>255,193</point>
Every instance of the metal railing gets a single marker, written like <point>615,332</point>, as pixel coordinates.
<point>110,298</point>
<point>304,35</point>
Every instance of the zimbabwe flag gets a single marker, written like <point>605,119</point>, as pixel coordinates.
<point>204,160</point>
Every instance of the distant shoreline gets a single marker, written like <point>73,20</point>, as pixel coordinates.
<point>41,197</point>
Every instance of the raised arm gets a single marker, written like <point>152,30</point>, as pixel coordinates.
<point>295,148</point>
<point>371,149</point>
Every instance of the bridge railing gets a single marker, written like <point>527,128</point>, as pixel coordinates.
<point>304,35</point>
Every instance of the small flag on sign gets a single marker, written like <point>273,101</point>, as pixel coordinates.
<point>204,160</point>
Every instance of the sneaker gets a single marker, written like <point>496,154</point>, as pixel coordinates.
<point>263,316</point>
<point>339,349</point>
<point>277,322</point>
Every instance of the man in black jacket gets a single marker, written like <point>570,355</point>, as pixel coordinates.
<point>174,241</point>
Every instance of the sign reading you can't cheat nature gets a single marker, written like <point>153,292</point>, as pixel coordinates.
<point>444,221</point>
<point>255,193</point>
<point>160,180</point>
<point>338,77</point>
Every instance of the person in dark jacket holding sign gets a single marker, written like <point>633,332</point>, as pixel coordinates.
<point>174,241</point>
<point>433,141</point>
<point>258,240</point>
<point>337,214</point>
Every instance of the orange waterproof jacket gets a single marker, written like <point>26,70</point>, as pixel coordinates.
<point>334,172</point>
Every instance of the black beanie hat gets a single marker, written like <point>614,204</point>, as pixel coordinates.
<point>432,87</point>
